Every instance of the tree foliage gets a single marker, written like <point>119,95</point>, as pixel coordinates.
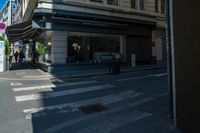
<point>1,38</point>
<point>41,49</point>
<point>8,47</point>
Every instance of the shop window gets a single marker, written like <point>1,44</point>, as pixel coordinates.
<point>91,48</point>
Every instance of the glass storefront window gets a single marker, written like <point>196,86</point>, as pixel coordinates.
<point>91,48</point>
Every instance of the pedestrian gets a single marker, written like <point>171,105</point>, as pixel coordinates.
<point>21,56</point>
<point>16,54</point>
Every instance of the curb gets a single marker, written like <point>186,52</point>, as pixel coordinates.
<point>103,73</point>
<point>71,75</point>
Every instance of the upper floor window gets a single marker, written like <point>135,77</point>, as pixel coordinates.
<point>156,6</point>
<point>99,1</point>
<point>142,4</point>
<point>112,2</point>
<point>133,3</point>
<point>162,6</point>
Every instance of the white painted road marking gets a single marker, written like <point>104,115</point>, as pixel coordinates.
<point>143,77</point>
<point>161,74</point>
<point>53,86</point>
<point>63,125</point>
<point>15,84</point>
<point>72,107</point>
<point>61,93</point>
<point>57,80</point>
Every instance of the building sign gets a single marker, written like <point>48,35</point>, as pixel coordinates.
<point>2,26</point>
<point>2,56</point>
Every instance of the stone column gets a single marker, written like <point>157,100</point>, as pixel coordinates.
<point>59,47</point>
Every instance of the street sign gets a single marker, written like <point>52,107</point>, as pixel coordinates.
<point>2,26</point>
<point>2,56</point>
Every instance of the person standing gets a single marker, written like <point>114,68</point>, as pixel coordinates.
<point>21,56</point>
<point>16,54</point>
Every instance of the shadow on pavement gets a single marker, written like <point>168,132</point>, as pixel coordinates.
<point>22,66</point>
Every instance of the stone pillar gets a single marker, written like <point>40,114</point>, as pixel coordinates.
<point>27,53</point>
<point>59,47</point>
<point>138,4</point>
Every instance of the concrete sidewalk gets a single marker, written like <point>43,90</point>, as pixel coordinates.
<point>102,71</point>
<point>27,70</point>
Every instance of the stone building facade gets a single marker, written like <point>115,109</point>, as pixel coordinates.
<point>89,31</point>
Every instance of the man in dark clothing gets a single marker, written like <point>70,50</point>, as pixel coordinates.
<point>16,54</point>
<point>21,56</point>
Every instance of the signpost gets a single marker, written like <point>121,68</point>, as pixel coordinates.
<point>2,26</point>
<point>2,56</point>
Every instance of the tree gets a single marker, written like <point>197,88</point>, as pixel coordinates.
<point>1,38</point>
<point>8,47</point>
<point>41,49</point>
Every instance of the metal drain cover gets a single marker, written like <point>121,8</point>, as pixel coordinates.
<point>92,108</point>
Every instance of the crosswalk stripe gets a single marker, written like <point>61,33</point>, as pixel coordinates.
<point>161,74</point>
<point>133,78</point>
<point>57,80</point>
<point>143,77</point>
<point>15,84</point>
<point>72,107</point>
<point>63,125</point>
<point>53,86</point>
<point>61,93</point>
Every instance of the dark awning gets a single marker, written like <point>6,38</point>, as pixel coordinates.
<point>22,31</point>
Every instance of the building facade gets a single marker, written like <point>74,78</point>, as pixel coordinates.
<point>89,31</point>
<point>7,15</point>
<point>18,12</point>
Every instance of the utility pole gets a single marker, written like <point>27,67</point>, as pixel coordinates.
<point>169,57</point>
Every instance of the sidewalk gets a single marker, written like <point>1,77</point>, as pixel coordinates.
<point>25,69</point>
<point>94,72</point>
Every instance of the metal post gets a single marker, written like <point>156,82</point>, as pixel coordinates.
<point>33,52</point>
<point>169,59</point>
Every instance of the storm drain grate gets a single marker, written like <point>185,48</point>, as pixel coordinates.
<point>92,108</point>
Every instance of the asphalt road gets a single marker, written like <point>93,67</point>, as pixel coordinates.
<point>131,102</point>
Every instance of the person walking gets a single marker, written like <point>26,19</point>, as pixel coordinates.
<point>16,54</point>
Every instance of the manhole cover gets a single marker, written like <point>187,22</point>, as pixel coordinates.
<point>92,108</point>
